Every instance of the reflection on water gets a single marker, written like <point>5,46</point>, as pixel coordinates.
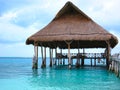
<point>35,73</point>
<point>82,78</point>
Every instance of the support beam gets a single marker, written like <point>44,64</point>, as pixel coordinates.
<point>108,54</point>
<point>55,62</point>
<point>69,56</point>
<point>35,58</point>
<point>78,62</point>
<point>45,56</point>
<point>42,65</point>
<point>95,62</point>
<point>63,61</point>
<point>61,57</point>
<point>91,61</point>
<point>78,47</point>
<point>55,56</point>
<point>44,59</point>
<point>58,61</point>
<point>50,57</point>
<point>95,59</point>
<point>83,51</point>
<point>82,59</point>
<point>42,53</point>
<point>78,57</point>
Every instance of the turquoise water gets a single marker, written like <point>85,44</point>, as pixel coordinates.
<point>16,74</point>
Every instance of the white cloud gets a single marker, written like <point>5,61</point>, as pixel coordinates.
<point>35,10</point>
<point>13,33</point>
<point>104,11</point>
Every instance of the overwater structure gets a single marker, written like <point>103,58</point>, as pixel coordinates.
<point>71,29</point>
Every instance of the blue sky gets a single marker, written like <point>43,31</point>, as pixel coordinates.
<point>19,19</point>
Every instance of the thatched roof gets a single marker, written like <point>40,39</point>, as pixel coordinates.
<point>71,24</point>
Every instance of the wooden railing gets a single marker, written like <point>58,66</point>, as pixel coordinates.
<point>79,55</point>
<point>115,64</point>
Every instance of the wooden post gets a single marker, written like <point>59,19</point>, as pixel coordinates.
<point>55,56</point>
<point>78,53</point>
<point>53,59</point>
<point>78,58</point>
<point>108,54</point>
<point>35,58</point>
<point>44,57</point>
<point>91,61</point>
<point>61,56</point>
<point>114,67</point>
<point>63,61</point>
<point>118,68</point>
<point>95,59</point>
<point>82,59</point>
<point>83,51</point>
<point>71,61</point>
<point>50,58</point>
<point>58,61</point>
<point>42,52</point>
<point>69,56</point>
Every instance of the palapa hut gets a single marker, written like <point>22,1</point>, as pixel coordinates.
<point>71,28</point>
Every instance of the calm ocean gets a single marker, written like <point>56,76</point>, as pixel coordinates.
<point>16,74</point>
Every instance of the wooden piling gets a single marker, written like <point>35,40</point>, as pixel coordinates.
<point>69,56</point>
<point>94,61</point>
<point>119,69</point>
<point>61,57</point>
<point>83,56</point>
<point>112,68</point>
<point>42,65</point>
<point>50,57</point>
<point>44,58</point>
<point>91,61</point>
<point>78,62</point>
<point>35,58</point>
<point>55,56</point>
<point>42,53</point>
<point>78,56</point>
<point>108,54</point>
<point>82,61</point>
<point>63,61</point>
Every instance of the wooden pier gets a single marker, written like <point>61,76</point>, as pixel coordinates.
<point>115,64</point>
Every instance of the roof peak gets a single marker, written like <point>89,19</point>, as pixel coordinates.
<point>70,9</point>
